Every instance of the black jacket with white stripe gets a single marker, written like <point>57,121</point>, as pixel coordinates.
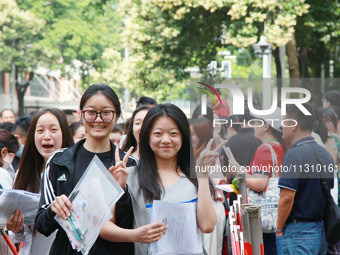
<point>61,166</point>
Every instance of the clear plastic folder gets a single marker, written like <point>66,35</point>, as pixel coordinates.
<point>92,199</point>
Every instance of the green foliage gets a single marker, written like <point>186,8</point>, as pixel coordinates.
<point>319,32</point>
<point>56,33</point>
<point>165,37</point>
<point>19,40</point>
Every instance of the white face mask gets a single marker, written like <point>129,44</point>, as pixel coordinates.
<point>9,158</point>
<point>8,164</point>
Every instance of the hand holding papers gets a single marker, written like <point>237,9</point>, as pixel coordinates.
<point>183,235</point>
<point>92,198</point>
<point>13,200</point>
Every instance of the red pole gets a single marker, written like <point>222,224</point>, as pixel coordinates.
<point>9,242</point>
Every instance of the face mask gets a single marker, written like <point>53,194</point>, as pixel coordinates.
<point>9,158</point>
<point>19,152</point>
<point>8,164</point>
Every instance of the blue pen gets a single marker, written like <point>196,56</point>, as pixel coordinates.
<point>74,229</point>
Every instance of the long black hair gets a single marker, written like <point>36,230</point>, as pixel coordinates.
<point>32,162</point>
<point>148,177</point>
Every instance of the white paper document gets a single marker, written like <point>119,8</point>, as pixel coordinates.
<point>183,235</point>
<point>12,200</point>
<point>92,199</point>
<point>225,187</point>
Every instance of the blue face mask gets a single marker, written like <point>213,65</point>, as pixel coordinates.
<point>19,152</point>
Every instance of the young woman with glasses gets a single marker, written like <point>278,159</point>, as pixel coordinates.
<point>100,108</point>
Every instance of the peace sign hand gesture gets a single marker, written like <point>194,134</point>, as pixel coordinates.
<point>208,157</point>
<point>119,171</point>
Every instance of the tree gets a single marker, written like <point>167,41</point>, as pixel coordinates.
<point>18,31</point>
<point>54,34</point>
<point>19,43</point>
<point>168,36</point>
<point>21,89</point>
<point>317,36</point>
<point>77,30</point>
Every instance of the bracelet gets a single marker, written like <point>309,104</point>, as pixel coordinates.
<point>278,230</point>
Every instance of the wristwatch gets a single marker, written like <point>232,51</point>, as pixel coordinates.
<point>278,230</point>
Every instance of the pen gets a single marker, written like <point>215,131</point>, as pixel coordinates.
<point>74,229</point>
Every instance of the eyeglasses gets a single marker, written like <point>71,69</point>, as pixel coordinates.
<point>106,115</point>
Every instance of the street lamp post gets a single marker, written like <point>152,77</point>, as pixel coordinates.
<point>264,49</point>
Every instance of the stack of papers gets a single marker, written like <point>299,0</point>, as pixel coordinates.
<point>183,235</point>
<point>12,200</point>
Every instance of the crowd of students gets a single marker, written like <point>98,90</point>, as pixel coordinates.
<point>153,158</point>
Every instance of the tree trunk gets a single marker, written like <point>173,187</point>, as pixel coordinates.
<point>318,56</point>
<point>304,62</point>
<point>317,87</point>
<point>293,63</point>
<point>21,89</point>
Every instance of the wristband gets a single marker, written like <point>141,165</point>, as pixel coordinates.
<point>278,230</point>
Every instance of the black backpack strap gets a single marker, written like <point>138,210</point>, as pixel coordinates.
<point>323,180</point>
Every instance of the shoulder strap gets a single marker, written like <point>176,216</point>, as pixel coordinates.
<point>274,157</point>
<point>323,180</point>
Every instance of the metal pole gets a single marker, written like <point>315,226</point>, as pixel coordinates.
<point>246,230</point>
<point>242,187</point>
<point>267,90</point>
<point>266,75</point>
<point>282,54</point>
<point>331,72</point>
<point>252,212</point>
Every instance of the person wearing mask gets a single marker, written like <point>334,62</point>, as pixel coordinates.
<point>8,147</point>
<point>20,129</point>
